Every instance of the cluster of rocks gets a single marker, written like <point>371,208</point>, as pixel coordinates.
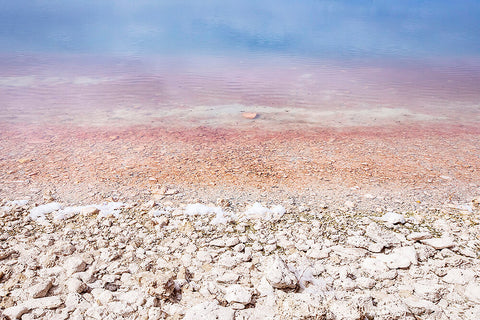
<point>311,264</point>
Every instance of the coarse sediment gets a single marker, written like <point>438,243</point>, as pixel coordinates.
<point>165,259</point>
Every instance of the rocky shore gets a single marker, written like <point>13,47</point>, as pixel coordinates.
<point>227,260</point>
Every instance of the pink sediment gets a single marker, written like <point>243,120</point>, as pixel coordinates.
<point>137,158</point>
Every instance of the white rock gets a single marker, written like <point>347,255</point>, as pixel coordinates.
<point>429,290</point>
<point>416,236</point>
<point>209,311</point>
<point>439,243</point>
<point>419,306</point>
<point>155,313</point>
<point>264,288</point>
<point>400,258</point>
<point>72,300</point>
<point>44,303</point>
<point>40,290</point>
<point>120,308</point>
<point>102,296</point>
<point>318,253</point>
<point>228,277</point>
<point>133,297</point>
<point>472,292</point>
<point>343,310</point>
<point>358,242</point>
<point>459,276</point>
<point>74,264</point>
<point>238,293</point>
<point>204,256</point>
<point>393,218</point>
<point>348,253</point>
<point>365,283</point>
<point>278,274</point>
<point>377,269</point>
<point>75,285</point>
<point>381,236</point>
<point>15,312</point>
<point>300,306</point>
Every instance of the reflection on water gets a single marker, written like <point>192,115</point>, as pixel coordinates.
<point>316,63</point>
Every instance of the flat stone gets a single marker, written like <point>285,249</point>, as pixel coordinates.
<point>238,293</point>
<point>393,218</point>
<point>417,236</point>
<point>439,243</point>
<point>44,303</point>
<point>420,306</point>
<point>400,258</point>
<point>429,290</point>
<point>348,253</point>
<point>459,276</point>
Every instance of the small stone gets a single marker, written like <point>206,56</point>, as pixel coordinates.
<point>419,306</point>
<point>348,253</point>
<point>278,274</point>
<point>416,236</point>
<point>459,276</point>
<point>89,211</point>
<point>74,264</point>
<point>40,290</point>
<point>75,285</point>
<point>365,283</point>
<point>317,253</point>
<point>238,293</point>
<point>209,311</point>
<point>393,218</point>
<point>249,115</point>
<point>400,258</point>
<point>44,303</point>
<point>439,243</point>
<point>15,312</point>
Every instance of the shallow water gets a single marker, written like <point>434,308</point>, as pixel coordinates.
<point>308,64</point>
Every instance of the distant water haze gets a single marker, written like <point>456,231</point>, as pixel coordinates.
<point>308,63</point>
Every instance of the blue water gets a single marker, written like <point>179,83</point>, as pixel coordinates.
<point>138,60</point>
<point>314,28</point>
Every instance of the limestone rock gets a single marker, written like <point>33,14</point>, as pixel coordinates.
<point>15,312</point>
<point>472,292</point>
<point>400,258</point>
<point>416,236</point>
<point>44,303</point>
<point>238,293</point>
<point>40,290</point>
<point>278,274</point>
<point>393,218</point>
<point>74,264</point>
<point>209,311</point>
<point>459,276</point>
<point>439,243</point>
